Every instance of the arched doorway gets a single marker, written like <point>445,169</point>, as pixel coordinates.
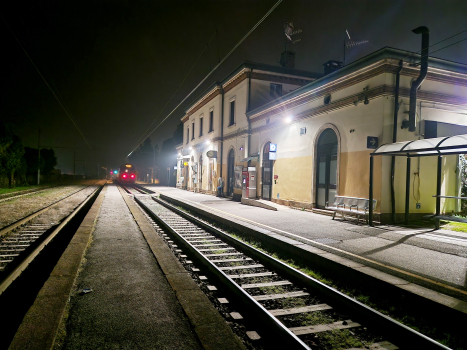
<point>326,169</point>
<point>267,174</point>
<point>200,172</point>
<point>230,172</point>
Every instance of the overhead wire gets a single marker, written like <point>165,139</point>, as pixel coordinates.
<point>142,137</point>
<point>439,42</point>
<point>46,83</point>
<point>212,71</point>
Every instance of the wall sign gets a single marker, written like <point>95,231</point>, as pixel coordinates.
<point>272,156</point>
<point>211,154</point>
<point>372,142</point>
<point>272,147</point>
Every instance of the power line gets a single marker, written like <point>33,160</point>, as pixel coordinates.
<point>212,71</point>
<point>142,138</point>
<point>449,45</point>
<point>46,83</point>
<point>439,42</point>
<point>457,42</point>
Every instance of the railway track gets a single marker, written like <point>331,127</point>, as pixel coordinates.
<point>22,241</point>
<point>286,306</point>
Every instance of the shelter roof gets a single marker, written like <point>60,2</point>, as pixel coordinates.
<point>426,147</point>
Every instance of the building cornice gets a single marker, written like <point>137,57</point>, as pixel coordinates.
<point>202,102</point>
<point>351,101</point>
<point>370,71</point>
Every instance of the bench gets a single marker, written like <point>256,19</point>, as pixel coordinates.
<point>351,206</point>
<point>438,216</point>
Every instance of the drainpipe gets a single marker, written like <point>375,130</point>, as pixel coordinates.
<point>423,72</point>
<point>222,129</point>
<point>394,139</point>
<point>247,117</point>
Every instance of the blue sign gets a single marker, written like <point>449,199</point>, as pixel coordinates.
<point>272,147</point>
<point>372,142</point>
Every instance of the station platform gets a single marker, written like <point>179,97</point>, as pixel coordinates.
<point>429,262</point>
<point>130,304</point>
<point>119,286</point>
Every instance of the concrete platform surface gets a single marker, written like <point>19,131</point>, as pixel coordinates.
<point>440,256</point>
<point>132,305</point>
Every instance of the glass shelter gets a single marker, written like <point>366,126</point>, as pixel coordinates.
<point>438,147</point>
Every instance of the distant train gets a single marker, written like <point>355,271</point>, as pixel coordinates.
<point>127,173</point>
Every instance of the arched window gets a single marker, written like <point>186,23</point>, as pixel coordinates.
<point>326,169</point>
<point>230,172</point>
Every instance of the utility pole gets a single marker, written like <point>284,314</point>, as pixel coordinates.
<point>39,158</point>
<point>74,165</point>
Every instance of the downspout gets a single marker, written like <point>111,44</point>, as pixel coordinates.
<point>394,139</point>
<point>247,117</point>
<point>423,72</point>
<point>222,129</point>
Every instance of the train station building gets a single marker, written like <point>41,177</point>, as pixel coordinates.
<point>307,139</point>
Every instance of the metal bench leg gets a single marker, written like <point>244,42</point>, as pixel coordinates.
<point>333,214</point>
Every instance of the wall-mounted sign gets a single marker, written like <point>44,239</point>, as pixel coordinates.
<point>372,142</point>
<point>211,154</point>
<point>272,156</point>
<point>272,147</point>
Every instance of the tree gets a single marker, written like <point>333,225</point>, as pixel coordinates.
<point>143,157</point>
<point>12,160</point>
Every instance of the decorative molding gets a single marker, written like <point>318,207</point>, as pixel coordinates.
<point>280,79</point>
<point>202,102</point>
<point>383,66</point>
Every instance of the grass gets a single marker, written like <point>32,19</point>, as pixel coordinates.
<point>16,189</point>
<point>339,339</point>
<point>381,304</point>
<point>384,304</point>
<point>456,226</point>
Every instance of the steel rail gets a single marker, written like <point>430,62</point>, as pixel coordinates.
<point>393,330</point>
<point>16,272</point>
<point>268,323</point>
<point>5,230</point>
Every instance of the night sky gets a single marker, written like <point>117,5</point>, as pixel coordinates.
<point>115,64</point>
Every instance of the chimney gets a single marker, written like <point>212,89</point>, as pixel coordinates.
<point>288,59</point>
<point>332,66</point>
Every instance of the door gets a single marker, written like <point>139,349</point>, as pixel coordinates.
<point>267,174</point>
<point>326,170</point>
<point>200,172</point>
<point>230,173</point>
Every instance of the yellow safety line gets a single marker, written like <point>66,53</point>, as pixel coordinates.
<point>335,249</point>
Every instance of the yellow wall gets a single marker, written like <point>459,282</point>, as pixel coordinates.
<point>354,175</point>
<point>294,178</point>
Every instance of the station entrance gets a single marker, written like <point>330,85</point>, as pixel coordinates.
<point>326,170</point>
<point>230,173</point>
<point>267,174</point>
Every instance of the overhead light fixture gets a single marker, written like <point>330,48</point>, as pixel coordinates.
<point>208,142</point>
<point>288,119</point>
<point>191,148</point>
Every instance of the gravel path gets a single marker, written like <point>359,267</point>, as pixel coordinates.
<point>16,209</point>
